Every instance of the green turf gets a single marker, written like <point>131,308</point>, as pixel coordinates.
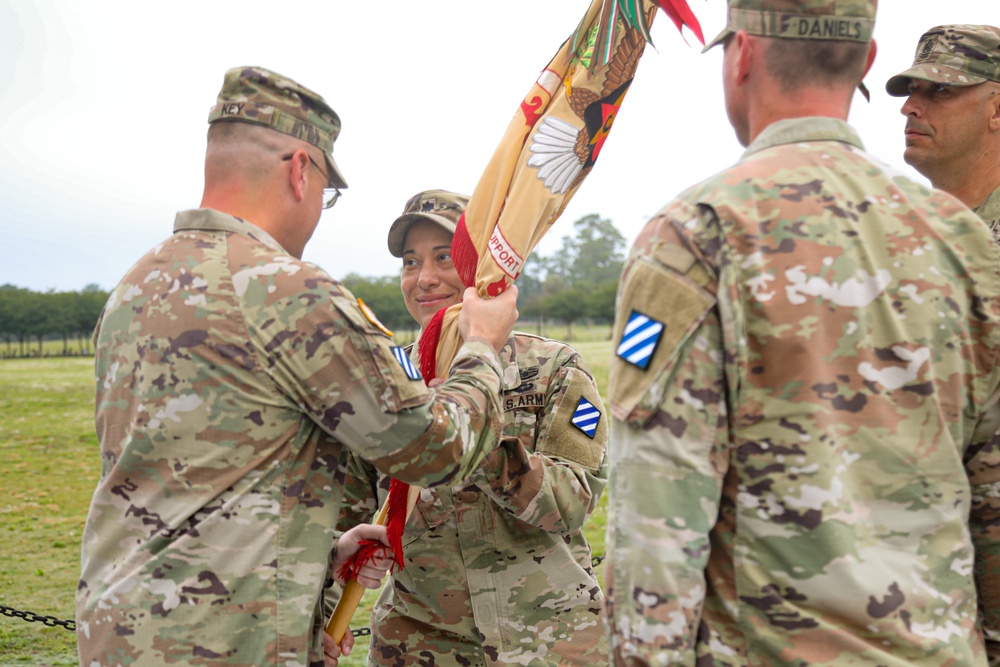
<point>50,466</point>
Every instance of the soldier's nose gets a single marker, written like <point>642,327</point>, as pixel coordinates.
<point>910,107</point>
<point>428,278</point>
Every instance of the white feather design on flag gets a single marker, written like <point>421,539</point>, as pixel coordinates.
<point>553,152</point>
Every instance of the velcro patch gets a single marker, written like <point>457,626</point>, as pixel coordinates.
<point>370,316</point>
<point>586,417</point>
<point>673,306</point>
<point>404,361</point>
<point>639,339</point>
<point>560,437</point>
<point>523,400</point>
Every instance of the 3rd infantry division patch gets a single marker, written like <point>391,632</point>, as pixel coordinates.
<point>404,361</point>
<point>586,417</point>
<point>639,340</point>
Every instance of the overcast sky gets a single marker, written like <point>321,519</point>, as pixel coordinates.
<point>103,110</point>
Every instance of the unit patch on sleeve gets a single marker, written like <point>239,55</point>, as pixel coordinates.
<point>639,339</point>
<point>586,417</point>
<point>370,315</point>
<point>404,361</point>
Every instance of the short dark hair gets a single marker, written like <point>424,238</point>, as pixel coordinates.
<point>795,63</point>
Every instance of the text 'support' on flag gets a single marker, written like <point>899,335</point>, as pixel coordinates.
<point>548,150</point>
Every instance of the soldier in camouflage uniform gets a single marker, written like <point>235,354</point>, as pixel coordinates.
<point>497,570</point>
<point>805,466</point>
<point>232,378</point>
<point>952,114</point>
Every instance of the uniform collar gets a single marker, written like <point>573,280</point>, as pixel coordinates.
<point>210,220</point>
<point>794,130</point>
<point>989,210</point>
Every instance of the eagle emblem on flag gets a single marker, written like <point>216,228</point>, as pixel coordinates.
<point>547,151</point>
<point>564,153</point>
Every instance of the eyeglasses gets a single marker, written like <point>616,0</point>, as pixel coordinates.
<point>330,193</point>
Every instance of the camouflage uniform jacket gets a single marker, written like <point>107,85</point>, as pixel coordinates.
<point>804,469</point>
<point>230,378</point>
<point>989,211</point>
<point>498,571</point>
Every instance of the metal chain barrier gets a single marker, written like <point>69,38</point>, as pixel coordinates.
<point>32,617</point>
<point>52,621</point>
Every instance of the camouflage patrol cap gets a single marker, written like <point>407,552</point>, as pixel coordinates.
<point>952,55</point>
<point>260,96</point>
<point>441,207</point>
<point>837,20</point>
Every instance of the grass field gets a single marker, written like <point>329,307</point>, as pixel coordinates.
<point>581,333</point>
<point>50,466</point>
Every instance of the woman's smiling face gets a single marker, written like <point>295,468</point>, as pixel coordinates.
<point>429,280</point>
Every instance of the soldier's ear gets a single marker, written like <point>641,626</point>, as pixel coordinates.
<point>298,164</point>
<point>872,50</point>
<point>995,109</point>
<point>743,57</point>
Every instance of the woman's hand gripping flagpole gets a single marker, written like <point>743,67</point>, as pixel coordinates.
<point>548,150</point>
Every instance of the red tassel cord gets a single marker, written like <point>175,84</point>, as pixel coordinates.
<point>463,254</point>
<point>395,522</point>
<point>427,346</point>
<point>465,258</point>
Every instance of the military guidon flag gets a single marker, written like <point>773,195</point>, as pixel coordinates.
<point>549,148</point>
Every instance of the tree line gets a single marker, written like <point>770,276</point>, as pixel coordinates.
<point>576,283</point>
<point>29,318</point>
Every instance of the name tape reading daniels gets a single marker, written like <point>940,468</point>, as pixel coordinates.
<point>802,26</point>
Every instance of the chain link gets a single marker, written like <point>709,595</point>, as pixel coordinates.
<point>70,625</point>
<point>52,621</point>
<point>32,617</point>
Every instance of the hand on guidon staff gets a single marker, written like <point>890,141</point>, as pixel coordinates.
<point>332,652</point>
<point>373,572</point>
<point>370,576</point>
<point>489,319</point>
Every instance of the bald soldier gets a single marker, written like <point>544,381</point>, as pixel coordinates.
<point>498,571</point>
<point>805,465</point>
<point>952,111</point>
<point>232,379</point>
